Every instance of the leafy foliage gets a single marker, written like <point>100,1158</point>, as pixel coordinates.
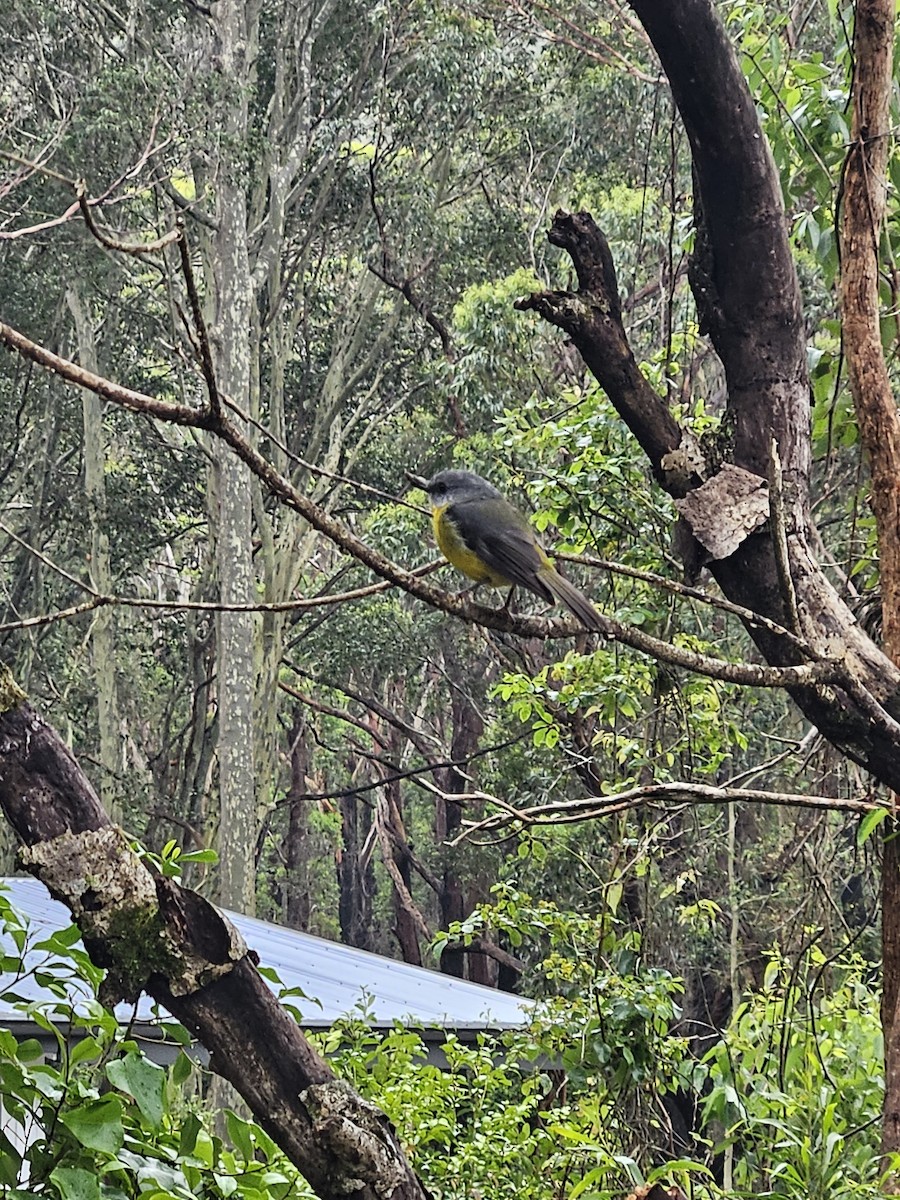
<point>796,1085</point>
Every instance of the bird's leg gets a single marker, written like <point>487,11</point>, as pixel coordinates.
<point>468,591</point>
<point>507,604</point>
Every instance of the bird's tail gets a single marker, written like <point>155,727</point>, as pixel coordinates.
<point>577,604</point>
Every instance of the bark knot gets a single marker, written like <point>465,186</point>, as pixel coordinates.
<point>360,1138</point>
<point>112,897</point>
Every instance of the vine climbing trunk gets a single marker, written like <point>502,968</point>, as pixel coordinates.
<point>862,218</point>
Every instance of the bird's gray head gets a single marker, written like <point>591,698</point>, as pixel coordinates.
<point>457,487</point>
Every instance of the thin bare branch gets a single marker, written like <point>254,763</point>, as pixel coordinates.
<point>206,361</point>
<point>779,536</point>
<point>747,615</point>
<point>98,600</point>
<point>590,808</point>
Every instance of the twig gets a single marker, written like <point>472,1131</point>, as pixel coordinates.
<point>134,248</point>
<point>98,599</point>
<point>206,362</point>
<point>747,615</point>
<point>38,167</point>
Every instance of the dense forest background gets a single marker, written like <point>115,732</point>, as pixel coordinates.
<point>364,191</point>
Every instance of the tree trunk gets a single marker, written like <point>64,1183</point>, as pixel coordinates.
<point>230,334</point>
<point>862,218</point>
<point>103,637</point>
<point>467,727</point>
<point>355,880</point>
<point>408,921</point>
<point>296,895</point>
<point>153,935</point>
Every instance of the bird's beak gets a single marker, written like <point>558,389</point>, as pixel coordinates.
<point>418,481</point>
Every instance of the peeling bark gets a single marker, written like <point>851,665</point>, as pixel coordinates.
<point>724,511</point>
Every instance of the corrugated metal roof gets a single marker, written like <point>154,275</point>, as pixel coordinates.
<point>335,980</point>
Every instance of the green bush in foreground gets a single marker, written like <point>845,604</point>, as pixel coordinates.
<point>572,1107</point>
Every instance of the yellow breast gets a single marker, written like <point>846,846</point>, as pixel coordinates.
<point>455,550</point>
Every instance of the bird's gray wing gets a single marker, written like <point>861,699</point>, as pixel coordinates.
<point>506,545</point>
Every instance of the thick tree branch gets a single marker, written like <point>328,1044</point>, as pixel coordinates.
<point>747,290</point>
<point>135,249</point>
<point>743,275</point>
<point>155,936</point>
<point>592,318</point>
<point>862,216</point>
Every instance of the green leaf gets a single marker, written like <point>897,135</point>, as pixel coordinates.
<point>181,1068</point>
<point>10,1161</point>
<point>239,1132</point>
<point>869,824</point>
<point>87,1048</point>
<point>60,940</point>
<point>200,856</point>
<point>679,1164</point>
<point>144,1081</point>
<point>587,1182</point>
<point>29,1050</point>
<point>74,1183</point>
<point>176,1031</point>
<point>190,1128</point>
<point>97,1124</point>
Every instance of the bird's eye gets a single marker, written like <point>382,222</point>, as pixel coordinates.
<point>439,489</point>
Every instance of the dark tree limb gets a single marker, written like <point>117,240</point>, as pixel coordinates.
<point>592,319</point>
<point>743,277</point>
<point>751,301</point>
<point>755,322</point>
<point>750,574</point>
<point>153,935</point>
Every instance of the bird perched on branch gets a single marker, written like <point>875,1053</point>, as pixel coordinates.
<point>483,536</point>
